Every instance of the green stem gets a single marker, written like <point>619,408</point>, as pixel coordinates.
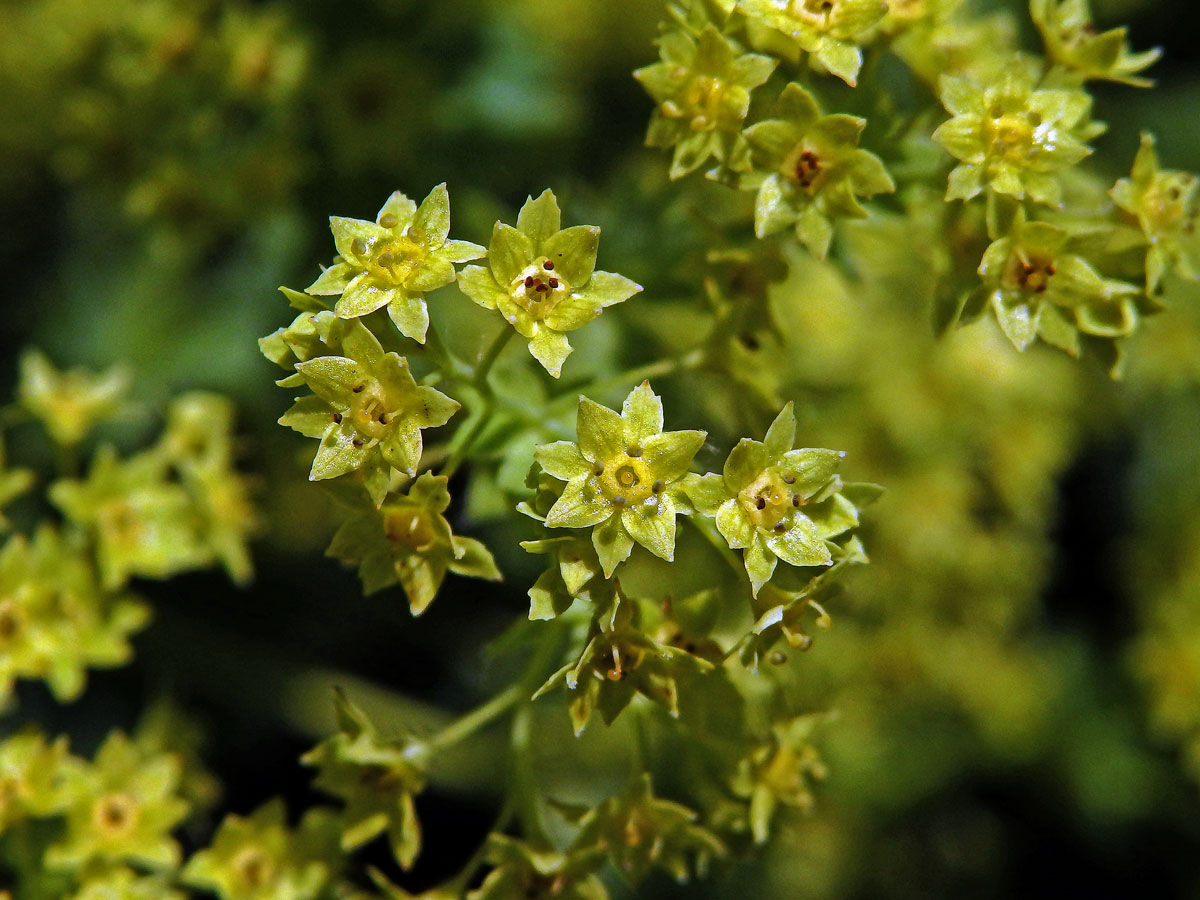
<point>693,359</point>
<point>490,355</point>
<point>442,357</point>
<point>477,718</point>
<point>466,436</point>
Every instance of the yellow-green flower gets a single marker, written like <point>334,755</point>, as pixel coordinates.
<point>122,883</point>
<point>69,403</point>
<point>394,261</point>
<point>830,31</point>
<point>367,411</point>
<point>37,779</point>
<point>409,541</point>
<point>377,779</point>
<point>1012,138</point>
<point>522,871</point>
<point>702,87</point>
<point>774,502</point>
<point>779,771</point>
<point>261,858</point>
<point>622,478</point>
<point>815,172</point>
<point>1036,287</point>
<point>125,810</point>
<point>1166,205</point>
<point>543,279</point>
<point>1073,42</point>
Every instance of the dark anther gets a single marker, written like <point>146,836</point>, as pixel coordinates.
<point>356,442</point>
<point>599,470</point>
<point>761,503</point>
<point>528,282</point>
<point>658,486</point>
<point>789,479</point>
<point>548,265</point>
<point>383,419</point>
<point>553,282</point>
<point>358,388</point>
<point>619,500</point>
<point>1050,269</point>
<point>541,288</point>
<point>337,418</point>
<point>796,500</point>
<point>780,528</point>
<point>635,452</point>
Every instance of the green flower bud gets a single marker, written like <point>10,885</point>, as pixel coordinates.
<point>1073,43</point>
<point>622,478</point>
<point>408,541</point>
<point>124,811</point>
<point>829,31</point>
<point>1011,138</point>
<point>37,779</point>
<point>779,772</point>
<point>814,171</point>
<point>543,279</point>
<point>394,261</point>
<point>1166,204</point>
<point>702,87</point>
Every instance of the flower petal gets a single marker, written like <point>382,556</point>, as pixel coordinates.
<point>600,431</point>
<point>561,459</point>
<point>540,219</point>
<point>613,544</point>
<point>735,526</point>
<point>573,252</point>
<point>581,505</point>
<point>669,454</point>
<point>652,524</point>
<point>431,223</point>
<point>642,413</point>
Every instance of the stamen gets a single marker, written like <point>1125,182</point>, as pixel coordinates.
<point>388,220</point>
<point>658,486</point>
<point>634,452</point>
<point>548,265</point>
<point>337,418</point>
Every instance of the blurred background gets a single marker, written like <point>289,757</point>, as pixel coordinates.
<point>1016,676</point>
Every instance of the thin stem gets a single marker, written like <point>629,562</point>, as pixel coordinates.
<point>469,433</point>
<point>477,718</point>
<point>693,359</point>
<point>490,355</point>
<point>442,357</point>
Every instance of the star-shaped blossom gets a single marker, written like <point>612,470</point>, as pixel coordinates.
<point>780,771</point>
<point>542,278</point>
<point>623,478</point>
<point>394,261</point>
<point>830,31</point>
<point>37,778</point>
<point>1073,42</point>
<point>524,871</point>
<point>408,541</point>
<point>702,87</point>
<point>774,502</point>
<point>367,411</point>
<point>69,403</point>
<point>1166,203</point>
<point>1038,288</point>
<point>815,171</point>
<point>1012,138</point>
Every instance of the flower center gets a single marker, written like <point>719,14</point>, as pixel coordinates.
<point>817,14</point>
<point>391,263</point>
<point>805,168</point>
<point>370,412</point>
<point>770,500</point>
<point>12,621</point>
<point>1168,204</point>
<point>626,480</point>
<point>539,288</point>
<point>115,815</point>
<point>253,867</point>
<point>1009,135</point>
<point>1029,273</point>
<point>708,103</point>
<point>410,527</point>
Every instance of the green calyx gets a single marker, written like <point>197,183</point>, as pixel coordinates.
<point>367,411</point>
<point>815,170</point>
<point>1082,52</point>
<point>702,87</point>
<point>623,477</point>
<point>394,261</point>
<point>542,278</point>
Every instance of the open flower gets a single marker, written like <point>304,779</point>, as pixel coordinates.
<point>1036,287</point>
<point>367,410</point>
<point>69,403</point>
<point>702,87</point>
<point>623,477</point>
<point>1166,204</point>
<point>815,171</point>
<point>828,30</point>
<point>773,502</point>
<point>409,541</point>
<point>394,260</point>
<point>779,771</point>
<point>1012,138</point>
<point>543,279</point>
<point>1073,42</point>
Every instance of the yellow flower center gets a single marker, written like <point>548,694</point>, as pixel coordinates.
<point>626,480</point>
<point>392,263</point>
<point>253,867</point>
<point>115,816</point>
<point>1166,204</point>
<point>410,527</point>
<point>1027,272</point>
<point>708,103</point>
<point>12,621</point>
<point>804,166</point>
<point>370,412</point>
<point>539,288</point>
<point>1009,135</point>
<point>770,499</point>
